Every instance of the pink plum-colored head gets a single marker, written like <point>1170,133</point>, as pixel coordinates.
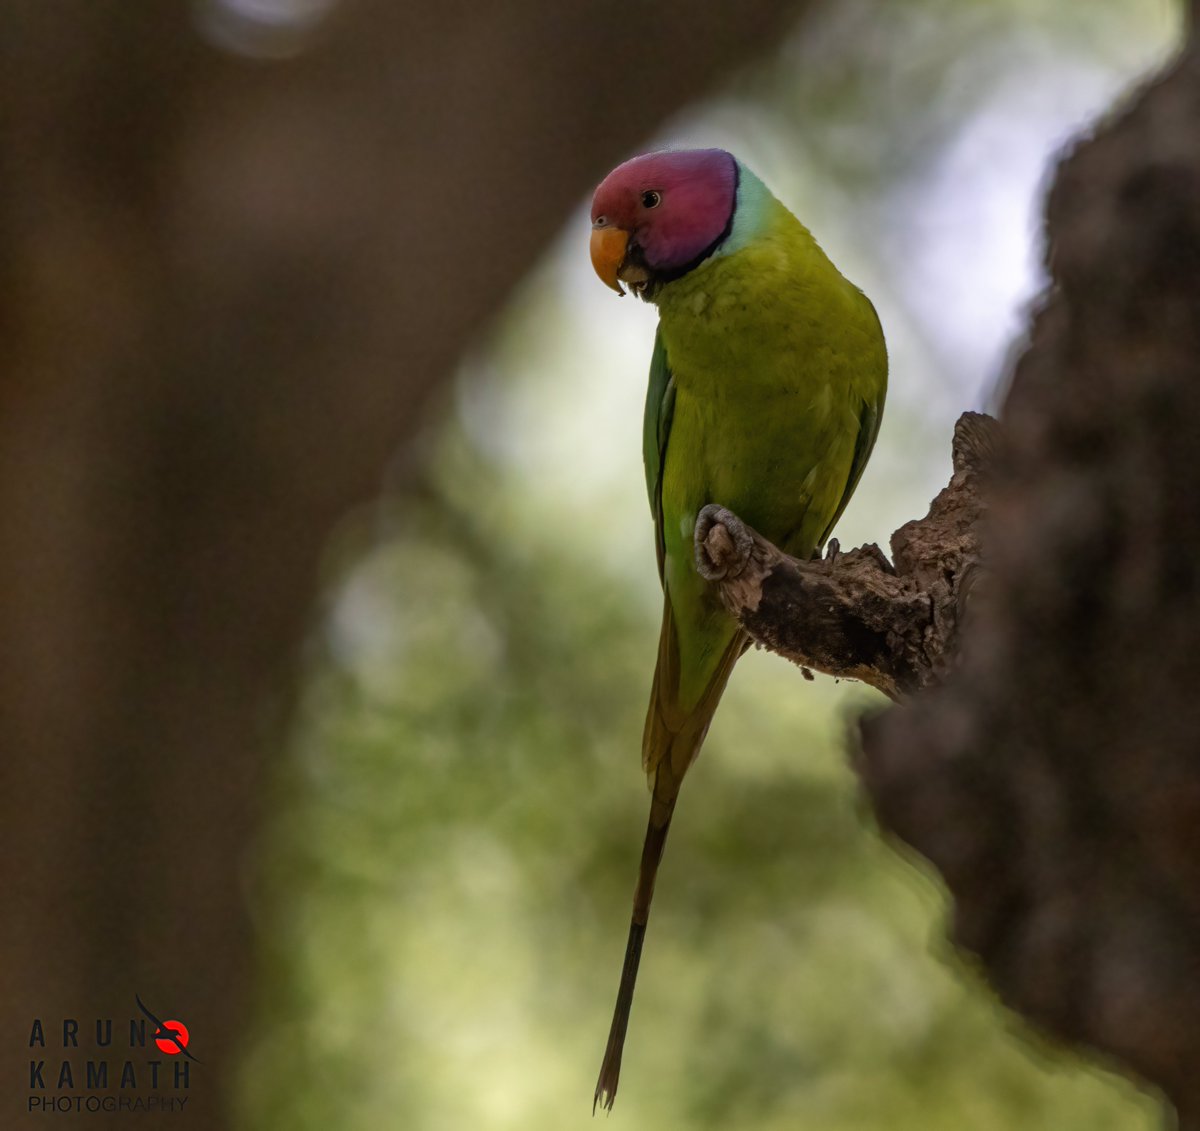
<point>670,208</point>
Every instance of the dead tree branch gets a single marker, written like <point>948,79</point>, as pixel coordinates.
<point>893,625</point>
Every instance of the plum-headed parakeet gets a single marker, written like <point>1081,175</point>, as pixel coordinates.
<point>766,390</point>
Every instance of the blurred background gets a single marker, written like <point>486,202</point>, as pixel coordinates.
<point>441,893</point>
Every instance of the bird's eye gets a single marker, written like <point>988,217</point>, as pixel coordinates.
<point>599,221</point>
<point>651,199</point>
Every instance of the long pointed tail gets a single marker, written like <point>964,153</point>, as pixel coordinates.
<point>652,849</point>
<point>670,743</point>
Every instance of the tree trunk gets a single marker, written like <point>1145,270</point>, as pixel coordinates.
<point>1052,771</point>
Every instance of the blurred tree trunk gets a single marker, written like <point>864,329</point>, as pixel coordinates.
<point>228,288</point>
<point>1054,779</point>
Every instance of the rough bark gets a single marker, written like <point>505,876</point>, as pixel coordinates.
<point>228,287</point>
<point>857,615</point>
<point>1052,774</point>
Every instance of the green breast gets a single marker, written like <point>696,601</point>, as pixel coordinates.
<point>774,354</point>
<point>779,370</point>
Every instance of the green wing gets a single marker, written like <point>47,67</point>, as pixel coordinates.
<point>656,427</point>
<point>868,429</point>
<point>869,417</point>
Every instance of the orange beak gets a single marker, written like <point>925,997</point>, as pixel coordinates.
<point>608,252</point>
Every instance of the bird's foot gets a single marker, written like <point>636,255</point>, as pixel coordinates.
<point>723,543</point>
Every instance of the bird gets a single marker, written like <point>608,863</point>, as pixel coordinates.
<point>766,391</point>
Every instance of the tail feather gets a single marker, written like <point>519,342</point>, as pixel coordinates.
<point>670,743</point>
<point>610,1068</point>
